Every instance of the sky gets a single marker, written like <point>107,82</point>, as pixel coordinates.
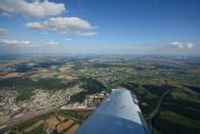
<point>170,27</point>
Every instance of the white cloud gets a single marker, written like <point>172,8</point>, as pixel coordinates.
<point>61,23</point>
<point>88,33</point>
<point>190,45</point>
<point>36,8</point>
<point>177,44</point>
<point>11,43</point>
<point>25,44</point>
<point>35,25</point>
<point>182,45</point>
<point>3,31</point>
<point>68,39</point>
<point>53,43</point>
<point>64,25</point>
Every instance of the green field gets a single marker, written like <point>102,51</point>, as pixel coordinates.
<point>149,79</point>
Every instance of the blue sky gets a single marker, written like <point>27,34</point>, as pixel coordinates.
<point>100,26</point>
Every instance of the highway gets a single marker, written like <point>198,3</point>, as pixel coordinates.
<point>13,122</point>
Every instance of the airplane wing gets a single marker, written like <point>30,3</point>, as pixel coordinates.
<point>118,114</point>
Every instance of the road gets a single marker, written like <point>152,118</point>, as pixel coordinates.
<point>156,110</point>
<point>31,115</point>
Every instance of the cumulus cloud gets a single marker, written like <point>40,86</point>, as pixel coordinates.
<point>88,33</point>
<point>28,45</point>
<point>190,45</point>
<point>35,8</point>
<point>3,31</point>
<point>182,45</point>
<point>35,25</point>
<point>10,43</point>
<point>53,43</point>
<point>64,25</point>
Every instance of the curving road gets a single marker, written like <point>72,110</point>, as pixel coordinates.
<point>156,110</point>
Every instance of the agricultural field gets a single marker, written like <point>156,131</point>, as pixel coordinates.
<point>168,85</point>
<point>57,122</point>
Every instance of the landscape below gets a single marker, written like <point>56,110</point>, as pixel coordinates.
<point>63,91</point>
